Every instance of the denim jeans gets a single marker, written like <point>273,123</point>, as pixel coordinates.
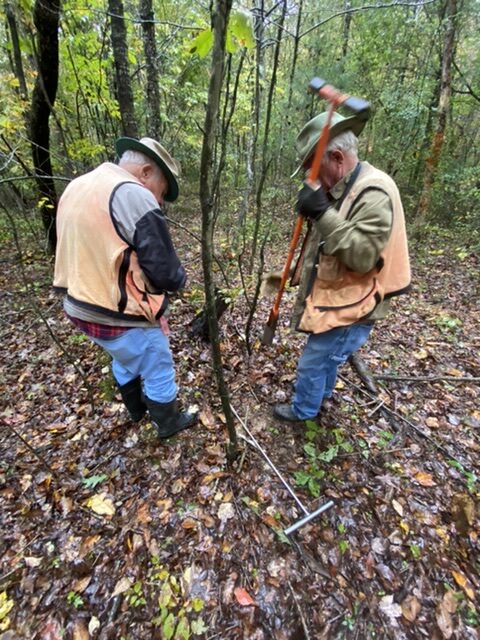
<point>146,353</point>
<point>317,367</point>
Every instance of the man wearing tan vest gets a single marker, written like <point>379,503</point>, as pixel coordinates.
<point>354,261</point>
<point>116,263</point>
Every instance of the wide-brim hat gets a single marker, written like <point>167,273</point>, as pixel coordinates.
<point>154,150</point>
<point>310,134</point>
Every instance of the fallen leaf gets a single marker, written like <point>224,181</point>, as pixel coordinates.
<point>398,507</point>
<point>411,608</point>
<point>81,584</point>
<point>32,561</point>
<point>432,422</point>
<point>446,607</point>
<point>99,503</point>
<point>390,608</point>
<point>80,631</point>
<point>122,585</point>
<point>463,511</point>
<point>93,625</point>
<point>226,511</point>
<point>462,582</point>
<point>243,597</point>
<point>425,479</point>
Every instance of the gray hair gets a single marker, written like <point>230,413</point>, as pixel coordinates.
<point>346,142</point>
<point>137,157</point>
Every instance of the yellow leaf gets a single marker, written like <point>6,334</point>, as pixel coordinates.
<point>421,354</point>
<point>405,527</point>
<point>6,606</point>
<point>99,503</point>
<point>462,582</point>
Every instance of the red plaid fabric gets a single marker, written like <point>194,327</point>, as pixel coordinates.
<point>95,330</point>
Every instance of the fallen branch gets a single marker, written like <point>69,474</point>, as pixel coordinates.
<point>364,372</point>
<point>413,426</point>
<point>428,378</point>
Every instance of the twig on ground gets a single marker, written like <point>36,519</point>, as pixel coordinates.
<point>299,610</point>
<point>428,378</point>
<point>364,372</point>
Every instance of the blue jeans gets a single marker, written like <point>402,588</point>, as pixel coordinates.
<point>317,367</point>
<point>146,353</point>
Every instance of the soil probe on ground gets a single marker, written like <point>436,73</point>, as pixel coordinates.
<point>308,516</point>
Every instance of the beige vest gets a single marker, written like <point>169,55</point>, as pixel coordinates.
<point>339,296</point>
<point>93,265</point>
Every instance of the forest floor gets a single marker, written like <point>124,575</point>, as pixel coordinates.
<point>107,533</point>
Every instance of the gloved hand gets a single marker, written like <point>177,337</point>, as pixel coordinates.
<point>312,203</point>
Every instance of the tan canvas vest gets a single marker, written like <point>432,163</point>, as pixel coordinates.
<point>340,296</point>
<point>94,265</point>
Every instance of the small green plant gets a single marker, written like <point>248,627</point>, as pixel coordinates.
<point>470,478</point>
<point>415,550</point>
<point>92,481</point>
<point>134,595</point>
<point>75,599</point>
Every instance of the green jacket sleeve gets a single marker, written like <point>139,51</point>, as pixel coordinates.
<point>359,240</point>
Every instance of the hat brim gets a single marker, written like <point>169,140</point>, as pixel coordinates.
<point>353,123</point>
<point>131,144</point>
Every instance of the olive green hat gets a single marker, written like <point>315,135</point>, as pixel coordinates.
<point>310,134</point>
<point>154,150</point>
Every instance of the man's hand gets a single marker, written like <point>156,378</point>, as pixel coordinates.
<point>312,203</point>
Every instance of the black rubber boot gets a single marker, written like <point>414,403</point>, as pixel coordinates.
<point>167,419</point>
<point>133,398</point>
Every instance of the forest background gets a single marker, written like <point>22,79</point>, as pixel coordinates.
<point>224,88</point>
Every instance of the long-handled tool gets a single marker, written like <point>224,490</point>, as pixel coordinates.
<point>362,109</point>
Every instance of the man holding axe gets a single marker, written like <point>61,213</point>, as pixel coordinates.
<point>355,257</point>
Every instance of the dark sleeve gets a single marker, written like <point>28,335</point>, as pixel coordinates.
<point>156,255</point>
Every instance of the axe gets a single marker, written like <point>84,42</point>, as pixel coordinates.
<point>362,109</point>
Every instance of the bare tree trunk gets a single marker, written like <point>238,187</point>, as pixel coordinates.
<point>442,110</point>
<point>265,162</point>
<point>296,42</point>
<point>123,91</point>
<point>17,53</point>
<point>46,16</point>
<point>346,30</point>
<point>154,124</point>
<point>209,180</point>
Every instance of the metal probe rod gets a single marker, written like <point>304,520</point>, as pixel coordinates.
<point>263,452</point>
<point>310,516</point>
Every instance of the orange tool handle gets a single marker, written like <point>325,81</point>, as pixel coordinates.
<point>286,269</point>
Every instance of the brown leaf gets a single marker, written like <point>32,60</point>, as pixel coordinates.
<point>411,608</point>
<point>463,511</point>
<point>81,584</point>
<point>243,597</point>
<point>425,479</point>
<point>80,631</point>
<point>444,619</point>
<point>122,585</point>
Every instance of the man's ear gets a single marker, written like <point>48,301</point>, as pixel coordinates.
<point>337,156</point>
<point>147,170</point>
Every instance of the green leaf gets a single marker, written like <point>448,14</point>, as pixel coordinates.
<point>93,481</point>
<point>202,43</point>
<point>241,27</point>
<point>329,454</point>
<point>198,627</point>
<point>168,627</point>
<point>182,631</point>
<point>301,478</point>
<point>197,604</point>
<point>309,449</point>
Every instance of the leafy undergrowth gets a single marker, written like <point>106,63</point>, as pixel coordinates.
<point>107,533</point>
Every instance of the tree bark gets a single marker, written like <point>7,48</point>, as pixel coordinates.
<point>442,110</point>
<point>123,87</point>
<point>208,179</point>
<point>154,124</point>
<point>46,16</point>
